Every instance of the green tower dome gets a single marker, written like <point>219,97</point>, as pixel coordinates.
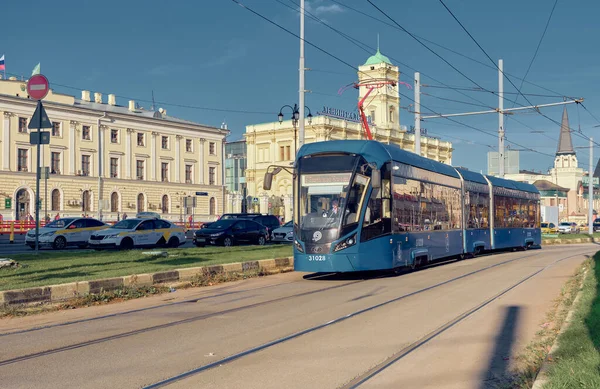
<point>377,59</point>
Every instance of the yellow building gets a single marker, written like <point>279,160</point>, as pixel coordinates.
<point>275,143</point>
<point>107,160</point>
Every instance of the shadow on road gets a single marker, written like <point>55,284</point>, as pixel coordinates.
<point>497,372</point>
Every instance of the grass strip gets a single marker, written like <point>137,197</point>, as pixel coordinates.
<point>530,360</point>
<point>576,362</point>
<point>50,268</point>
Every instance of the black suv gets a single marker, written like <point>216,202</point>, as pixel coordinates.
<point>269,221</point>
<point>596,225</point>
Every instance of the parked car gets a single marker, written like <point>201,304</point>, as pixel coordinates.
<point>568,228</point>
<point>61,233</point>
<point>549,228</point>
<point>283,234</point>
<point>138,232</point>
<point>596,225</point>
<point>269,221</point>
<point>230,232</point>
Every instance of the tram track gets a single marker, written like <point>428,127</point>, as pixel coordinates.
<point>340,319</point>
<point>389,361</point>
<point>167,305</point>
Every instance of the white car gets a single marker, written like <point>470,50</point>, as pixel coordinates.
<point>567,228</point>
<point>130,233</point>
<point>61,233</point>
<point>283,234</point>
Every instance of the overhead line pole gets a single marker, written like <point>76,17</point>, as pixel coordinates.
<point>500,119</point>
<point>417,113</point>
<point>591,190</point>
<point>301,78</point>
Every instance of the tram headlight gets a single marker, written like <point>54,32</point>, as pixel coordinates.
<point>351,241</point>
<point>298,246</point>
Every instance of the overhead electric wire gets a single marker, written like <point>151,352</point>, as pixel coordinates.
<point>538,46</point>
<point>352,67</point>
<point>442,46</point>
<point>487,90</point>
<point>362,45</point>
<point>504,75</point>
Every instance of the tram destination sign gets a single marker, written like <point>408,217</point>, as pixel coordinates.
<point>342,114</point>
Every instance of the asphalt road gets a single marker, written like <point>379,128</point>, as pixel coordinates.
<point>459,325</point>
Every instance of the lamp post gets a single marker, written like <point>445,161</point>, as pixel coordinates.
<point>295,118</point>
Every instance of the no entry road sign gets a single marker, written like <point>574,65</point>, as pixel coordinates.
<point>37,87</point>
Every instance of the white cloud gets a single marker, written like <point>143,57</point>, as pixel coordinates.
<point>319,8</point>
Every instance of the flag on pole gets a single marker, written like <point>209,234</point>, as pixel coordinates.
<point>36,70</point>
<point>2,66</point>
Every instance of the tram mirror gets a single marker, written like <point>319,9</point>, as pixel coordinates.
<point>376,178</point>
<point>268,181</point>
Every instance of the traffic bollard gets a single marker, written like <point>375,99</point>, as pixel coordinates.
<point>12,232</point>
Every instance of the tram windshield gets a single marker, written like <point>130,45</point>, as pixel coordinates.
<point>330,195</point>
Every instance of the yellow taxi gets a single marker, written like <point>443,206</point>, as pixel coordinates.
<point>61,233</point>
<point>138,232</point>
<point>549,228</point>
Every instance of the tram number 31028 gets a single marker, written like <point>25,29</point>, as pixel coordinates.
<point>317,258</point>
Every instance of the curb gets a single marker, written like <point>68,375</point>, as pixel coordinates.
<point>62,292</point>
<point>541,378</point>
<point>569,241</point>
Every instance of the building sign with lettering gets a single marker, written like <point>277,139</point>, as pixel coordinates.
<point>341,114</point>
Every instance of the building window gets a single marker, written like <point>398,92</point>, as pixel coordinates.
<point>211,176</point>
<point>114,136</point>
<point>140,202</point>
<point>85,165</point>
<point>114,167</point>
<point>212,206</point>
<point>392,114</point>
<point>55,129</point>
<point>23,125</point>
<point>55,163</point>
<point>165,142</point>
<point>139,169</point>
<point>114,202</point>
<point>22,160</point>
<point>55,203</point>
<point>164,171</point>
<point>212,149</point>
<point>188,145</point>
<point>282,153</point>
<point>165,204</point>
<point>188,174</point>
<point>140,139</point>
<point>86,201</point>
<point>373,116</point>
<point>86,133</point>
<point>288,150</point>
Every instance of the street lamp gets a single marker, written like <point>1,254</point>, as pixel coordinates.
<point>295,118</point>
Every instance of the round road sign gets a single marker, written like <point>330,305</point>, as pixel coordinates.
<point>37,87</point>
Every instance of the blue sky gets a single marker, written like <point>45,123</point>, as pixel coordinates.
<point>215,54</point>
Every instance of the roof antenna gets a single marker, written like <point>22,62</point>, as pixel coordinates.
<point>377,42</point>
<point>153,105</point>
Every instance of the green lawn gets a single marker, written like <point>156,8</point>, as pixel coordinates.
<point>51,268</point>
<point>577,360</point>
<point>574,236</point>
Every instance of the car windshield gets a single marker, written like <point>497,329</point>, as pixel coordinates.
<point>222,224</point>
<point>127,224</point>
<point>565,224</point>
<point>289,224</point>
<point>60,223</point>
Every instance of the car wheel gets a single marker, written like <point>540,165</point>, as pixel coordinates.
<point>261,241</point>
<point>126,244</point>
<point>59,243</point>
<point>161,242</point>
<point>228,241</point>
<point>173,242</point>
<point>31,246</point>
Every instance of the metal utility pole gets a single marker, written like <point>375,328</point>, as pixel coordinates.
<point>500,118</point>
<point>100,161</point>
<point>591,190</point>
<point>301,77</point>
<point>417,113</point>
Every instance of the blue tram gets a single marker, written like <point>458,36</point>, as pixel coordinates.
<point>364,205</point>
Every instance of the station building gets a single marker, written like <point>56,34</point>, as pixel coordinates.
<point>276,143</point>
<point>106,160</point>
